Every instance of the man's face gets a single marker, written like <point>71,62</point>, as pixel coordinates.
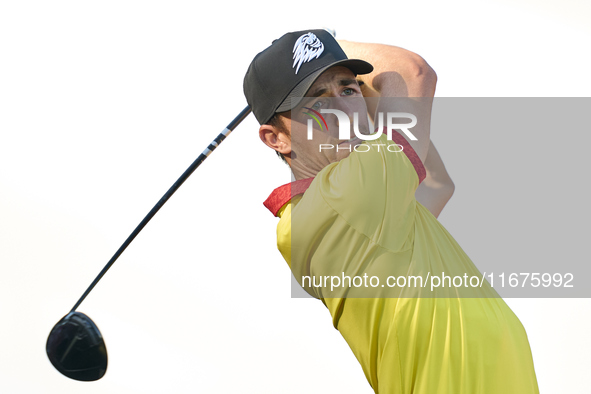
<point>337,89</point>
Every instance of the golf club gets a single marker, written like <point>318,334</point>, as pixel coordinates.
<point>75,345</point>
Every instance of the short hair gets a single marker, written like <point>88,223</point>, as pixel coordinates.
<point>277,122</point>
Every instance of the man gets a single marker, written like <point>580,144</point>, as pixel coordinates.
<point>366,205</point>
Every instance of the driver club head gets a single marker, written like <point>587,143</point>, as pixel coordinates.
<point>76,348</point>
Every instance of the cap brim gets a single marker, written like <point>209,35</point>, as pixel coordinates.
<point>357,66</point>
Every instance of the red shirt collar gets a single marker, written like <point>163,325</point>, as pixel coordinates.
<point>280,196</point>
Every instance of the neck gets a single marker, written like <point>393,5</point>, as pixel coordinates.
<point>299,171</point>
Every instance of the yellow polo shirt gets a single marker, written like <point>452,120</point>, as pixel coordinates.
<point>359,217</point>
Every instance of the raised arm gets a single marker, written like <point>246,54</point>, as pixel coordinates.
<point>402,73</point>
<point>398,73</point>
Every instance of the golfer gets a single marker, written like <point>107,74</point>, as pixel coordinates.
<point>364,205</point>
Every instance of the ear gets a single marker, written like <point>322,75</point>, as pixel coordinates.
<point>275,139</point>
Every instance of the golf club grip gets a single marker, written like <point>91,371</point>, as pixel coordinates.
<point>210,148</point>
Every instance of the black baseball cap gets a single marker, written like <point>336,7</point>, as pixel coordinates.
<point>284,72</point>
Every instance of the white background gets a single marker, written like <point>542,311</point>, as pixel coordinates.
<point>104,104</point>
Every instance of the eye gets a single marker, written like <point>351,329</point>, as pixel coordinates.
<point>317,105</point>
<point>349,92</point>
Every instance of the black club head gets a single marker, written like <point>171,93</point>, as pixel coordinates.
<point>76,348</point>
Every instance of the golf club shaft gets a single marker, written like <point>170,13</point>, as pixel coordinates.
<point>214,144</point>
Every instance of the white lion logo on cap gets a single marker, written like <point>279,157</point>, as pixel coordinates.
<point>306,48</point>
